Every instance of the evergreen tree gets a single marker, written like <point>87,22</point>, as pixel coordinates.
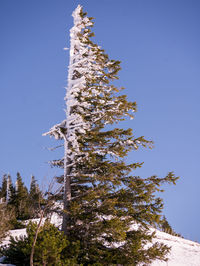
<point>3,187</point>
<point>107,209</point>
<point>9,188</point>
<point>166,227</point>
<point>33,186</point>
<point>35,198</point>
<point>19,199</point>
<point>48,249</point>
<point>6,188</point>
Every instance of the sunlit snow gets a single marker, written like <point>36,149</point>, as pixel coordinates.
<point>183,252</point>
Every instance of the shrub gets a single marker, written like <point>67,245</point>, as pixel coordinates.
<point>49,248</point>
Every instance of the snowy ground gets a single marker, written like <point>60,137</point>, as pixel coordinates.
<point>183,252</point>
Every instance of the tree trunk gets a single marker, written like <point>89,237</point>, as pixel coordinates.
<point>67,191</point>
<point>35,238</point>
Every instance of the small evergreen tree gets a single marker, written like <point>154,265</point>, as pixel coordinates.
<point>20,199</point>
<point>48,250</point>
<point>9,189</point>
<point>166,227</point>
<point>3,188</point>
<point>35,198</point>
<point>106,208</point>
<point>33,186</point>
<point>6,189</point>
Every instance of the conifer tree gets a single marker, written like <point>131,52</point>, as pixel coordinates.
<point>3,187</point>
<point>166,227</point>
<point>6,188</point>
<point>19,199</point>
<point>35,198</point>
<point>107,209</point>
<point>33,186</point>
<point>9,188</point>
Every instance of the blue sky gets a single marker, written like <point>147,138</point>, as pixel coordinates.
<point>158,43</point>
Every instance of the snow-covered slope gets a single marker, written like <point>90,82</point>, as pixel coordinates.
<point>183,252</point>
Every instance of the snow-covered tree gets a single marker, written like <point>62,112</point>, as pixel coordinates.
<point>106,208</point>
<point>6,188</point>
<point>9,188</point>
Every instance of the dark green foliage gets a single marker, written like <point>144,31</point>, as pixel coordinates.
<point>23,204</point>
<point>133,207</point>
<point>7,188</point>
<point>34,189</point>
<point>48,250</point>
<point>19,200</point>
<point>16,224</point>
<point>35,198</point>
<point>3,187</point>
<point>166,227</point>
<point>20,203</point>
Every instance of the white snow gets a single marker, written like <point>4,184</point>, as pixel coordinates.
<point>14,233</point>
<point>183,252</point>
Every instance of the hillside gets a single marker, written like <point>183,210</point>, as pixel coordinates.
<point>183,253</point>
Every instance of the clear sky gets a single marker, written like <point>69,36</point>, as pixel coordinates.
<point>158,43</point>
